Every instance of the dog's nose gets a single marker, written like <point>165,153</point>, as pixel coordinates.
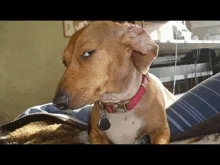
<point>61,102</point>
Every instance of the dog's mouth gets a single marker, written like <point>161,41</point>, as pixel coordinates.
<point>76,95</point>
<point>65,102</point>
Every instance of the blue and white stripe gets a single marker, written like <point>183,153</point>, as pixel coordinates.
<point>198,104</point>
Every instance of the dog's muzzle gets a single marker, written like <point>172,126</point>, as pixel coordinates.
<point>61,102</point>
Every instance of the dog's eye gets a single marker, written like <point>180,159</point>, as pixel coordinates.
<point>87,54</point>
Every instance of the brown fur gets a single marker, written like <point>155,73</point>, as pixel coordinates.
<point>46,132</point>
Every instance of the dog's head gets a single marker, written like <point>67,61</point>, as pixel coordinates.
<point>100,58</point>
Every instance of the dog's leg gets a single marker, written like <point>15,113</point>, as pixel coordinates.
<point>96,138</point>
<point>160,136</point>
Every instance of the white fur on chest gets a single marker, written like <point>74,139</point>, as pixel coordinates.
<point>124,127</point>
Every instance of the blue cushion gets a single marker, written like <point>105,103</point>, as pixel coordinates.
<point>197,105</point>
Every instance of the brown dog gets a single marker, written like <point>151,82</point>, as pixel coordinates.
<point>105,62</point>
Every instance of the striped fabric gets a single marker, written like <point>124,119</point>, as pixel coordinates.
<point>198,104</point>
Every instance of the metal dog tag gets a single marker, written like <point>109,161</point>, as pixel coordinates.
<point>104,123</point>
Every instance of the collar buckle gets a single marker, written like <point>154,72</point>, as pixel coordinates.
<point>122,105</point>
<point>101,105</point>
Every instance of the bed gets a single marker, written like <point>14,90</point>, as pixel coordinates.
<point>193,117</point>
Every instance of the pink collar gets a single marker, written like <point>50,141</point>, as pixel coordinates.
<point>134,100</point>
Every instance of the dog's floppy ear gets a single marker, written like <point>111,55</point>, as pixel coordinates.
<point>144,49</point>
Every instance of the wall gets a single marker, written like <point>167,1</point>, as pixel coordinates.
<point>204,28</point>
<point>30,64</point>
<point>158,30</point>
